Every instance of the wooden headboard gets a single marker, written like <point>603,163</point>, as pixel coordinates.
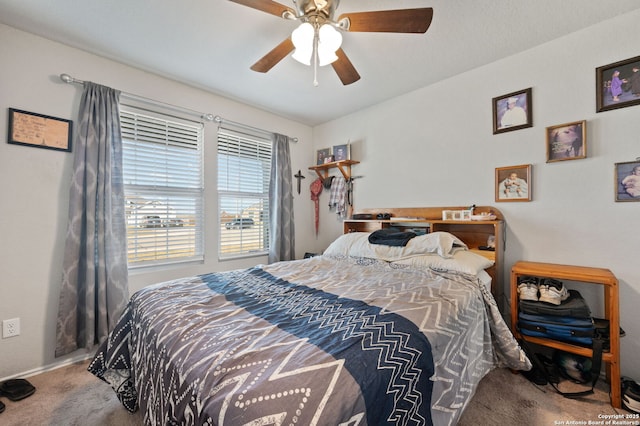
<point>473,233</point>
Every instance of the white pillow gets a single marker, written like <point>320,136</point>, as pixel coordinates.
<point>356,244</point>
<point>443,243</point>
<point>463,261</point>
<point>343,244</point>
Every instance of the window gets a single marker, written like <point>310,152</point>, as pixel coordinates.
<point>244,168</point>
<point>163,183</point>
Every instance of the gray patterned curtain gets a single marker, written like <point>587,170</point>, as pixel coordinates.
<point>281,227</point>
<point>94,288</point>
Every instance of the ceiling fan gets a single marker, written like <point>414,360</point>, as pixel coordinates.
<point>318,38</point>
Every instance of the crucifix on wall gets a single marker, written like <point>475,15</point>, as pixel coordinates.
<point>299,176</point>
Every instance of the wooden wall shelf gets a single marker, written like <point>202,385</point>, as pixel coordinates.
<point>343,165</point>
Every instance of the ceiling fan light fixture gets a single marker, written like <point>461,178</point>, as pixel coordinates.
<point>302,38</point>
<point>309,46</point>
<point>326,57</point>
<point>329,41</point>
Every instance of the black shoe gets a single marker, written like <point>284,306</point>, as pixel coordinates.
<point>16,389</point>
<point>553,372</point>
<point>1,406</point>
<point>535,376</point>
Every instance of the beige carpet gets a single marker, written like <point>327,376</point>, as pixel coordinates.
<point>72,396</point>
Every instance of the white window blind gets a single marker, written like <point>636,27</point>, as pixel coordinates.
<point>163,182</point>
<point>244,168</point>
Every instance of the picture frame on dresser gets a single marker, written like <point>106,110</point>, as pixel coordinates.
<point>618,84</point>
<point>513,183</point>
<point>567,141</point>
<point>512,111</point>
<point>627,181</point>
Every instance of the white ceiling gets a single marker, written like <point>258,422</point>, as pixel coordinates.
<point>210,44</point>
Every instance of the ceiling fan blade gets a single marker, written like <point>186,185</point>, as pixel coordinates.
<point>345,69</point>
<point>277,54</point>
<point>390,21</point>
<point>268,6</point>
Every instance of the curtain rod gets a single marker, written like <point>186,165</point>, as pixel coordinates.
<point>221,120</point>
<point>204,116</point>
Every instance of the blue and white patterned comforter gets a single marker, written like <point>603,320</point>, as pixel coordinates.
<point>321,341</point>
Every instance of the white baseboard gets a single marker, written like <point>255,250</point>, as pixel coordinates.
<point>58,364</point>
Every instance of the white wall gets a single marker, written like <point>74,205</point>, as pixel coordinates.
<point>435,147</point>
<point>35,182</point>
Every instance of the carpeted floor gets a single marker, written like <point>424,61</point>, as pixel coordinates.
<point>71,396</point>
<point>505,398</point>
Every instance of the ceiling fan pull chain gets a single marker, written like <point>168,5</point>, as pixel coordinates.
<point>316,37</point>
<point>315,74</point>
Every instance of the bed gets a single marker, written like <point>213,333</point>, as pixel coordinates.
<point>364,334</point>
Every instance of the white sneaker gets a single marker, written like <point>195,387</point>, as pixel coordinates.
<point>528,289</point>
<point>553,291</point>
<point>631,395</point>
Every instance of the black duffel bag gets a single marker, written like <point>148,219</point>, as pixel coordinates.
<point>574,306</point>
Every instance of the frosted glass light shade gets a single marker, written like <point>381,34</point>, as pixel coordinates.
<point>329,40</point>
<point>302,38</point>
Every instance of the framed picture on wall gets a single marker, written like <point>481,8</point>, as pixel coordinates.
<point>627,181</point>
<point>618,85</point>
<point>323,156</point>
<point>512,111</point>
<point>513,183</point>
<point>42,131</point>
<point>567,141</point>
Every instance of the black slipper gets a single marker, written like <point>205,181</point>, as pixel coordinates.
<point>16,389</point>
<point>535,376</point>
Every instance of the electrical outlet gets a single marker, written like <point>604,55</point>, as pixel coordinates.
<point>10,328</point>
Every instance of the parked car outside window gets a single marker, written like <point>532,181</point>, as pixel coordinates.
<point>157,222</point>
<point>169,223</point>
<point>239,223</point>
<point>152,222</point>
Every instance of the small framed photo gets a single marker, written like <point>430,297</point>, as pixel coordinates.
<point>323,156</point>
<point>342,152</point>
<point>618,85</point>
<point>456,214</point>
<point>627,181</point>
<point>512,111</point>
<point>567,141</point>
<point>42,131</point>
<point>513,183</point>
